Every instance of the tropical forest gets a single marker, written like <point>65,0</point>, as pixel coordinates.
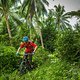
<point>57,56</point>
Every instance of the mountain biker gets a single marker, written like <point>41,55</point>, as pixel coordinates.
<point>30,48</point>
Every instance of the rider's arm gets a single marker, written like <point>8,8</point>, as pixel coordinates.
<point>35,48</point>
<point>18,50</point>
<point>21,46</point>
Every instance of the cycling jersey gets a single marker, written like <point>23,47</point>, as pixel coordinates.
<point>29,46</point>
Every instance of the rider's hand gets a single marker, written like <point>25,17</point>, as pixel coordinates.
<point>33,52</point>
<point>17,54</point>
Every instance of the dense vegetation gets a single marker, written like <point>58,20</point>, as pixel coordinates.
<point>58,53</point>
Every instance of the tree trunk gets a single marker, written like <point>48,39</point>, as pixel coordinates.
<point>40,33</point>
<point>41,39</point>
<point>30,26</point>
<point>8,28</point>
<point>30,34</point>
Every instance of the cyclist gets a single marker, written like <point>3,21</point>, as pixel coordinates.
<point>30,48</point>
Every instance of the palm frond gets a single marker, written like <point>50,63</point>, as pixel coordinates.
<point>46,2</point>
<point>74,13</point>
<point>25,3</point>
<point>1,8</point>
<point>16,18</point>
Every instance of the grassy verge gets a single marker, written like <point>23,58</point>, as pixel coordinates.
<point>49,68</point>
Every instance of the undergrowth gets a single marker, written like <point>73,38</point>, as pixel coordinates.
<point>49,67</point>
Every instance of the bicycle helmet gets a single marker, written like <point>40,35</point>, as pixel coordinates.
<point>25,39</point>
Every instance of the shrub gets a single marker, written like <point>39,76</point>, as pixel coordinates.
<point>49,36</point>
<point>68,45</point>
<point>7,58</point>
<point>40,56</point>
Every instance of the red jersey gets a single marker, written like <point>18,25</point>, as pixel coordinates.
<point>29,46</point>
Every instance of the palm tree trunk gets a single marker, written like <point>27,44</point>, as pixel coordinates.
<point>30,33</point>
<point>8,28</point>
<point>41,40</point>
<point>30,26</point>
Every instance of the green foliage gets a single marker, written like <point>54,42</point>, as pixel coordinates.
<point>3,26</point>
<point>40,56</point>
<point>52,69</point>
<point>68,45</point>
<point>49,36</point>
<point>7,59</point>
<point>22,30</point>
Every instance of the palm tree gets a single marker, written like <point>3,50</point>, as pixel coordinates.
<point>6,7</point>
<point>34,7</point>
<point>61,18</point>
<point>39,26</point>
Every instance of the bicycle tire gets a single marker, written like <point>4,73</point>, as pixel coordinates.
<point>22,68</point>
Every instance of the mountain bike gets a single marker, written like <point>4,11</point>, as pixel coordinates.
<point>24,65</point>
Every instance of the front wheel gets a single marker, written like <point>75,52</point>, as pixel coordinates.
<point>22,68</point>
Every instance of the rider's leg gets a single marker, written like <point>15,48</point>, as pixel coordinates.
<point>25,57</point>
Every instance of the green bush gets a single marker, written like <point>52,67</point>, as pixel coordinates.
<point>52,69</point>
<point>4,39</point>
<point>7,58</point>
<point>40,56</point>
<point>49,36</point>
<point>68,45</point>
